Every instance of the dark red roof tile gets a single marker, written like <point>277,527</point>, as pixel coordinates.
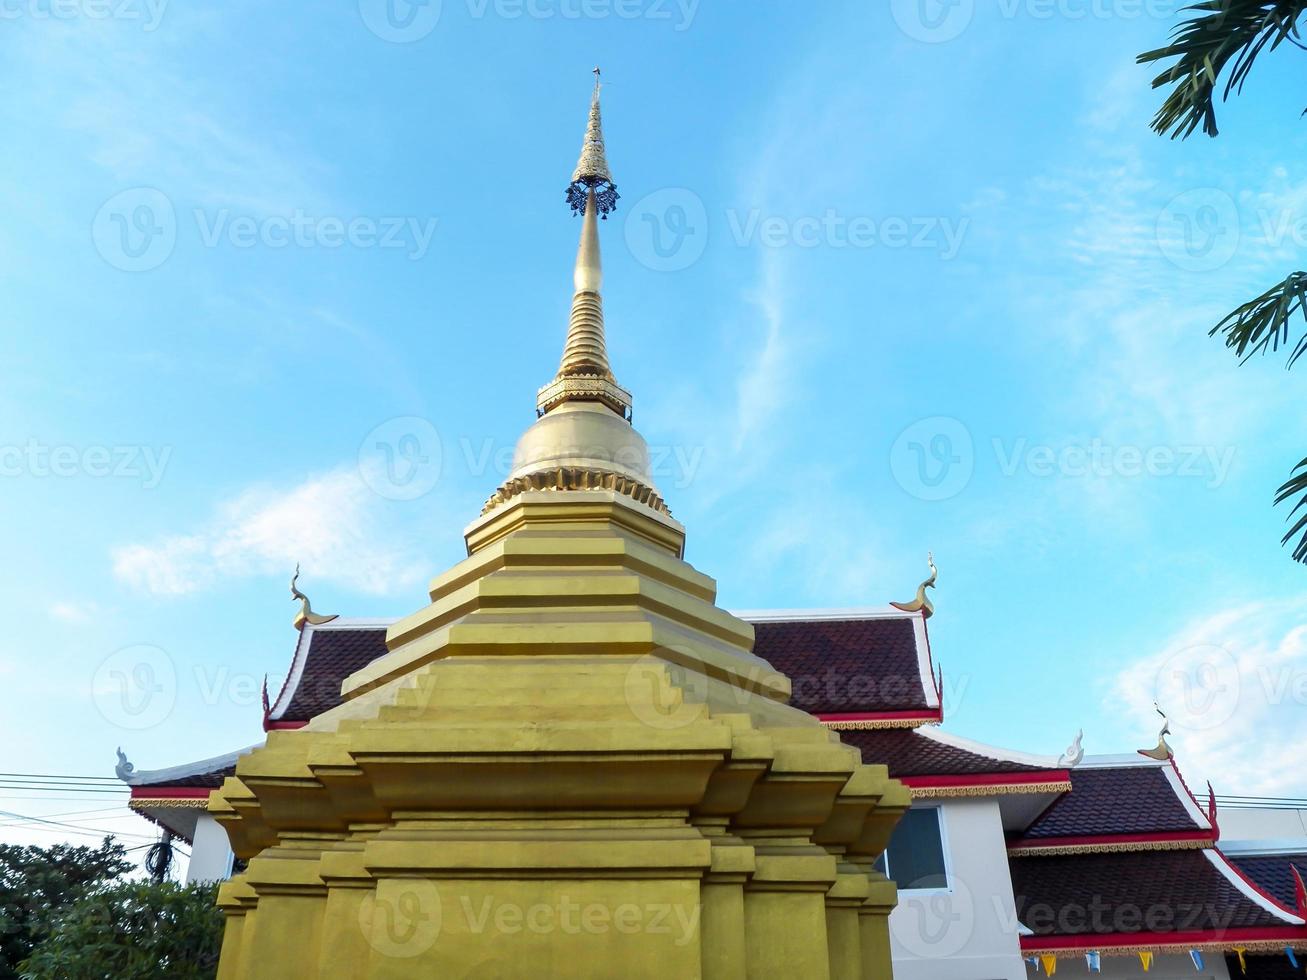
<point>908,753</point>
<point>205,780</point>
<point>846,665</point>
<point>835,666</point>
<point>1272,874</point>
<point>1126,800</point>
<point>1155,892</point>
<point>332,655</point>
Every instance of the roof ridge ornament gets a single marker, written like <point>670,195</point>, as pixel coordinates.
<point>592,174</point>
<point>306,613</point>
<point>1075,752</point>
<point>124,769</point>
<point>922,603</point>
<point>1163,751</point>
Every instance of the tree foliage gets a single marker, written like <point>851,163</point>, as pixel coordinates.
<point>37,883</point>
<point>1223,34</point>
<point>1225,37</point>
<point>139,929</point>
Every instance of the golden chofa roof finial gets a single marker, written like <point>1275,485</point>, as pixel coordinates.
<point>922,603</point>
<point>1163,751</point>
<point>584,374</point>
<point>306,613</point>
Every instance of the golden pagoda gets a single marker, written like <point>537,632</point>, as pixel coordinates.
<point>569,763</point>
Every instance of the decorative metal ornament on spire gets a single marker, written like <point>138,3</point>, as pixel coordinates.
<point>592,174</point>
<point>584,373</point>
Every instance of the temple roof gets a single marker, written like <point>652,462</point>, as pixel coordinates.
<point>930,752</point>
<point>174,798</point>
<point>324,657</point>
<point>1143,797</point>
<point>205,773</point>
<point>1273,872</point>
<point>1145,898</point>
<point>869,662</point>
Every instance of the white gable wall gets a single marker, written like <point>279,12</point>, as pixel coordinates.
<point>969,931</point>
<point>211,855</point>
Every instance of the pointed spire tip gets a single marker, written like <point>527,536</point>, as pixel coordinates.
<point>592,173</point>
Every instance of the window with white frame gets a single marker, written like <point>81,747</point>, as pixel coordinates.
<point>915,856</point>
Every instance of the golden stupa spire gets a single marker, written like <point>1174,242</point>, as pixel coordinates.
<point>584,373</point>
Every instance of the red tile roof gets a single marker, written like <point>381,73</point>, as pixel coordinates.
<point>1272,873</point>
<point>205,780</point>
<point>329,655</point>
<point>1152,893</point>
<point>855,665</point>
<point>909,753</point>
<point>1115,801</point>
<point>849,665</point>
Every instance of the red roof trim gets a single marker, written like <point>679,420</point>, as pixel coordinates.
<point>1035,843</point>
<point>170,792</point>
<point>1247,880</point>
<point>282,726</point>
<point>988,779</point>
<point>923,717</point>
<point>1193,937</point>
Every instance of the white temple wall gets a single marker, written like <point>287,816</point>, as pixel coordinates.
<point>969,931</point>
<point>211,855</point>
<point>1262,823</point>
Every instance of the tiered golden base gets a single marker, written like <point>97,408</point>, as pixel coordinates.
<point>569,765</point>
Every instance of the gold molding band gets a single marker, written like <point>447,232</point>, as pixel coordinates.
<point>872,724</point>
<point>1062,850</point>
<point>995,789</point>
<point>169,803</point>
<point>572,478</point>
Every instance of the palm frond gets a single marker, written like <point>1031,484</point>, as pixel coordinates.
<point>1263,323</point>
<point>1223,33</point>
<point>1296,486</point>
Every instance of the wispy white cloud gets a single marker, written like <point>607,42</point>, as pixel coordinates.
<point>332,523</point>
<point>65,611</point>
<point>143,115</point>
<point>1234,684</point>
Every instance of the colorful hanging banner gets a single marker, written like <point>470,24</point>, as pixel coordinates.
<point>1050,963</point>
<point>1146,961</point>
<point>1033,961</point>
<point>1243,965</point>
<point>1293,960</point>
<point>1197,956</point>
<point>1094,961</point>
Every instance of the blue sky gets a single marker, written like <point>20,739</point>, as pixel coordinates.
<point>884,279</point>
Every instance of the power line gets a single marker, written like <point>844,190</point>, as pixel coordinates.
<point>60,788</point>
<point>61,824</point>
<point>47,775</point>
